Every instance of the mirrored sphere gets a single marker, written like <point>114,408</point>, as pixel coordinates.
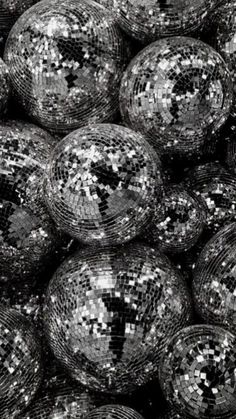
<point>149,20</point>
<point>108,314</point>
<point>102,183</point>
<point>20,362</point>
<point>177,92</point>
<point>197,372</point>
<point>214,284</point>
<point>115,411</point>
<point>4,87</point>
<point>65,63</point>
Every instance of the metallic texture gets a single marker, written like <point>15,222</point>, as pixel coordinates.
<point>171,413</point>
<point>65,403</point>
<point>4,87</point>
<point>198,372</point>
<point>108,314</point>
<point>65,63</point>
<point>177,92</point>
<point>113,411</point>
<point>149,20</point>
<point>102,182</point>
<point>214,282</point>
<point>178,222</point>
<point>28,237</point>
<point>217,188</point>
<point>20,363</point>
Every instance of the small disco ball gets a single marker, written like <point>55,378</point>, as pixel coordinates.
<point>178,222</point>
<point>20,363</point>
<point>225,39</point>
<point>177,92</point>
<point>65,63</point>
<point>217,188</point>
<point>28,237</point>
<point>113,411</point>
<point>65,403</point>
<point>109,312</point>
<point>148,21</point>
<point>171,413</point>
<point>102,183</point>
<point>214,286</point>
<point>4,86</point>
<point>197,372</point>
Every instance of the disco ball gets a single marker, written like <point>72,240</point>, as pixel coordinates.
<point>113,411</point>
<point>148,21</point>
<point>65,403</point>
<point>4,86</point>
<point>177,92</point>
<point>65,63</point>
<point>197,372</point>
<point>217,188</point>
<point>108,314</point>
<point>214,285</point>
<point>20,360</point>
<point>27,235</point>
<point>178,222</point>
<point>225,39</point>
<point>102,183</point>
<point>10,10</point>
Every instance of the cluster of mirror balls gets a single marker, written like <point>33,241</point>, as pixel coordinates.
<point>117,209</point>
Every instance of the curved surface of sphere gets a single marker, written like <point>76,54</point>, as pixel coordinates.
<point>148,21</point>
<point>225,39</point>
<point>177,92</point>
<point>27,235</point>
<point>214,281</point>
<point>65,63</point>
<point>4,87</point>
<point>20,363</point>
<point>64,403</point>
<point>102,182</point>
<point>109,313</point>
<point>198,372</point>
<point>178,221</point>
<point>113,411</point>
<point>217,188</point>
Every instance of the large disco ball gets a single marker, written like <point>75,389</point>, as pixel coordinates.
<point>65,63</point>
<point>10,10</point>
<point>65,403</point>
<point>214,284</point>
<point>217,188</point>
<point>108,314</point>
<point>148,21</point>
<point>178,222</point>
<point>113,411</point>
<point>177,92</point>
<point>20,363</point>
<point>28,237</point>
<point>4,87</point>
<point>102,183</point>
<point>225,39</point>
<point>197,372</point>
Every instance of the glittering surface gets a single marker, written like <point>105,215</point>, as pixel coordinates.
<point>225,39</point>
<point>171,413</point>
<point>108,314</point>
<point>214,285</point>
<point>150,20</point>
<point>65,403</point>
<point>178,222</point>
<point>198,372</point>
<point>4,87</point>
<point>27,235</point>
<point>114,412</point>
<point>65,63</point>
<point>217,188</point>
<point>102,183</point>
<point>230,157</point>
<point>20,363</point>
<point>176,91</point>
